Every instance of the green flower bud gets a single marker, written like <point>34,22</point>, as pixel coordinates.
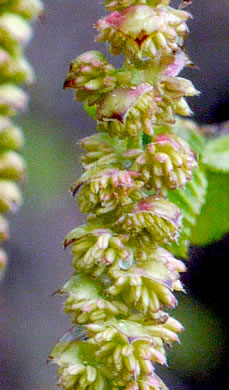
<point>149,283</point>
<point>76,361</point>
<point>170,92</point>
<point>127,111</point>
<point>10,196</point>
<point>28,9</point>
<point>100,151</point>
<point>144,32</point>
<point>91,76</point>
<point>87,302</point>
<point>167,163</point>
<point>127,356</point>
<point>14,32</point>
<point>177,87</point>
<point>16,70</point>
<point>12,99</point>
<point>12,166</point>
<point>108,190</point>
<point>11,137</point>
<point>130,348</point>
<point>154,219</point>
<point>96,249</point>
<point>81,377</point>
<point>4,229</point>
<point>172,161</point>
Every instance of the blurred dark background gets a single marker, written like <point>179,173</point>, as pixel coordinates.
<point>31,319</point>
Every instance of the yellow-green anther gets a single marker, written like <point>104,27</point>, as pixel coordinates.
<point>174,325</point>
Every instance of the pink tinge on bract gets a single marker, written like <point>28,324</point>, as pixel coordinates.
<point>91,57</point>
<point>161,207</point>
<point>180,60</point>
<point>134,20</point>
<point>117,104</point>
<point>163,139</point>
<point>112,20</point>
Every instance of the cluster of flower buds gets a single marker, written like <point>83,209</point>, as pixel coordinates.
<point>117,5</point>
<point>95,249</point>
<point>153,219</point>
<point>101,151</point>
<point>128,111</point>
<point>131,350</point>
<point>124,275</point>
<point>150,282</point>
<point>15,33</point>
<point>166,163</point>
<point>110,189</point>
<point>91,75</point>
<point>87,301</point>
<point>143,31</point>
<point>75,372</point>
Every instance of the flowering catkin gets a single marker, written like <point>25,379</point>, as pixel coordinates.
<point>124,274</point>
<point>15,33</point>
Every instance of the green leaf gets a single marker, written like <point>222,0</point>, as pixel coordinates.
<point>213,222</point>
<point>203,333</point>
<point>190,201</point>
<point>90,110</point>
<point>216,154</point>
<point>190,133</point>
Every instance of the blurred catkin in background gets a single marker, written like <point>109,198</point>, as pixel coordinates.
<point>15,33</point>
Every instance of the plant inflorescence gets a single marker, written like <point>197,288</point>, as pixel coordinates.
<point>142,189</point>
<point>15,33</point>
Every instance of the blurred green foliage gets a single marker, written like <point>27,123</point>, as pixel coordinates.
<point>202,342</point>
<point>213,222</point>
<point>52,163</point>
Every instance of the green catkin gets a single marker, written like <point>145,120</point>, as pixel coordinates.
<point>124,274</point>
<point>15,32</point>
